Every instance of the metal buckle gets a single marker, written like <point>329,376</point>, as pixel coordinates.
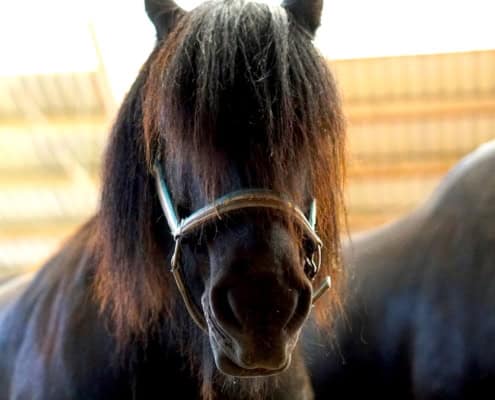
<point>312,265</point>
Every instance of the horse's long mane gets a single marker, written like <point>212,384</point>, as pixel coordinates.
<point>233,80</point>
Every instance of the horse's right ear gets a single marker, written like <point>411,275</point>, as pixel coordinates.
<point>306,12</point>
<point>164,14</point>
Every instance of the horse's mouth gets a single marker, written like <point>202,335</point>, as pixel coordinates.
<point>224,351</point>
<point>227,366</point>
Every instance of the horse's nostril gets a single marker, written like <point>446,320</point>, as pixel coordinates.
<point>223,310</point>
<point>260,306</point>
<point>234,309</point>
<point>301,310</point>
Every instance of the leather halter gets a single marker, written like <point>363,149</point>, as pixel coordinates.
<point>249,198</point>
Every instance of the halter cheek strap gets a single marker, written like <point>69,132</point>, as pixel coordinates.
<point>250,198</point>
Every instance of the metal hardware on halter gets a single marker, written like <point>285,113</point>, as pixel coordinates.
<point>249,198</point>
<point>312,266</point>
<point>327,284</point>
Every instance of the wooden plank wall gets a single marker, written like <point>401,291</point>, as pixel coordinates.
<point>410,119</point>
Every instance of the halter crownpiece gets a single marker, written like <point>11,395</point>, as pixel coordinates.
<point>248,198</point>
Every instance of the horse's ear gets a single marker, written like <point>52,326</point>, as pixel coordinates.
<point>164,14</point>
<point>306,12</point>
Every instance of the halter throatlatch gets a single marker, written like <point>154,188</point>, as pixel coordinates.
<point>249,198</point>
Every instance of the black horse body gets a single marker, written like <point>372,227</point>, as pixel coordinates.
<point>419,316</point>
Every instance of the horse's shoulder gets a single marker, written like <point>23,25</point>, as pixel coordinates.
<point>46,318</point>
<point>469,186</point>
<point>11,287</point>
<point>36,295</point>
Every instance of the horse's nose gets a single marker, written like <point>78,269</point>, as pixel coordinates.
<point>260,317</point>
<point>261,311</point>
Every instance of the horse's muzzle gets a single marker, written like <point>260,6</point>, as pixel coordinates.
<point>254,326</point>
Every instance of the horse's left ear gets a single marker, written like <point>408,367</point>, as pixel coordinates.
<point>306,12</point>
<point>164,14</point>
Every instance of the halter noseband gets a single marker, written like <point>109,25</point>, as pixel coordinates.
<point>249,198</point>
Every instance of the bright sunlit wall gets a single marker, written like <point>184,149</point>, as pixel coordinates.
<point>52,35</point>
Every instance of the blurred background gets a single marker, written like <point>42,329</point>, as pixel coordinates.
<point>417,79</point>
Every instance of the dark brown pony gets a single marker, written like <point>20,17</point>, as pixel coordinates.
<point>420,321</point>
<point>234,96</point>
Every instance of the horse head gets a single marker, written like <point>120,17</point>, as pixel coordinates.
<point>240,126</point>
